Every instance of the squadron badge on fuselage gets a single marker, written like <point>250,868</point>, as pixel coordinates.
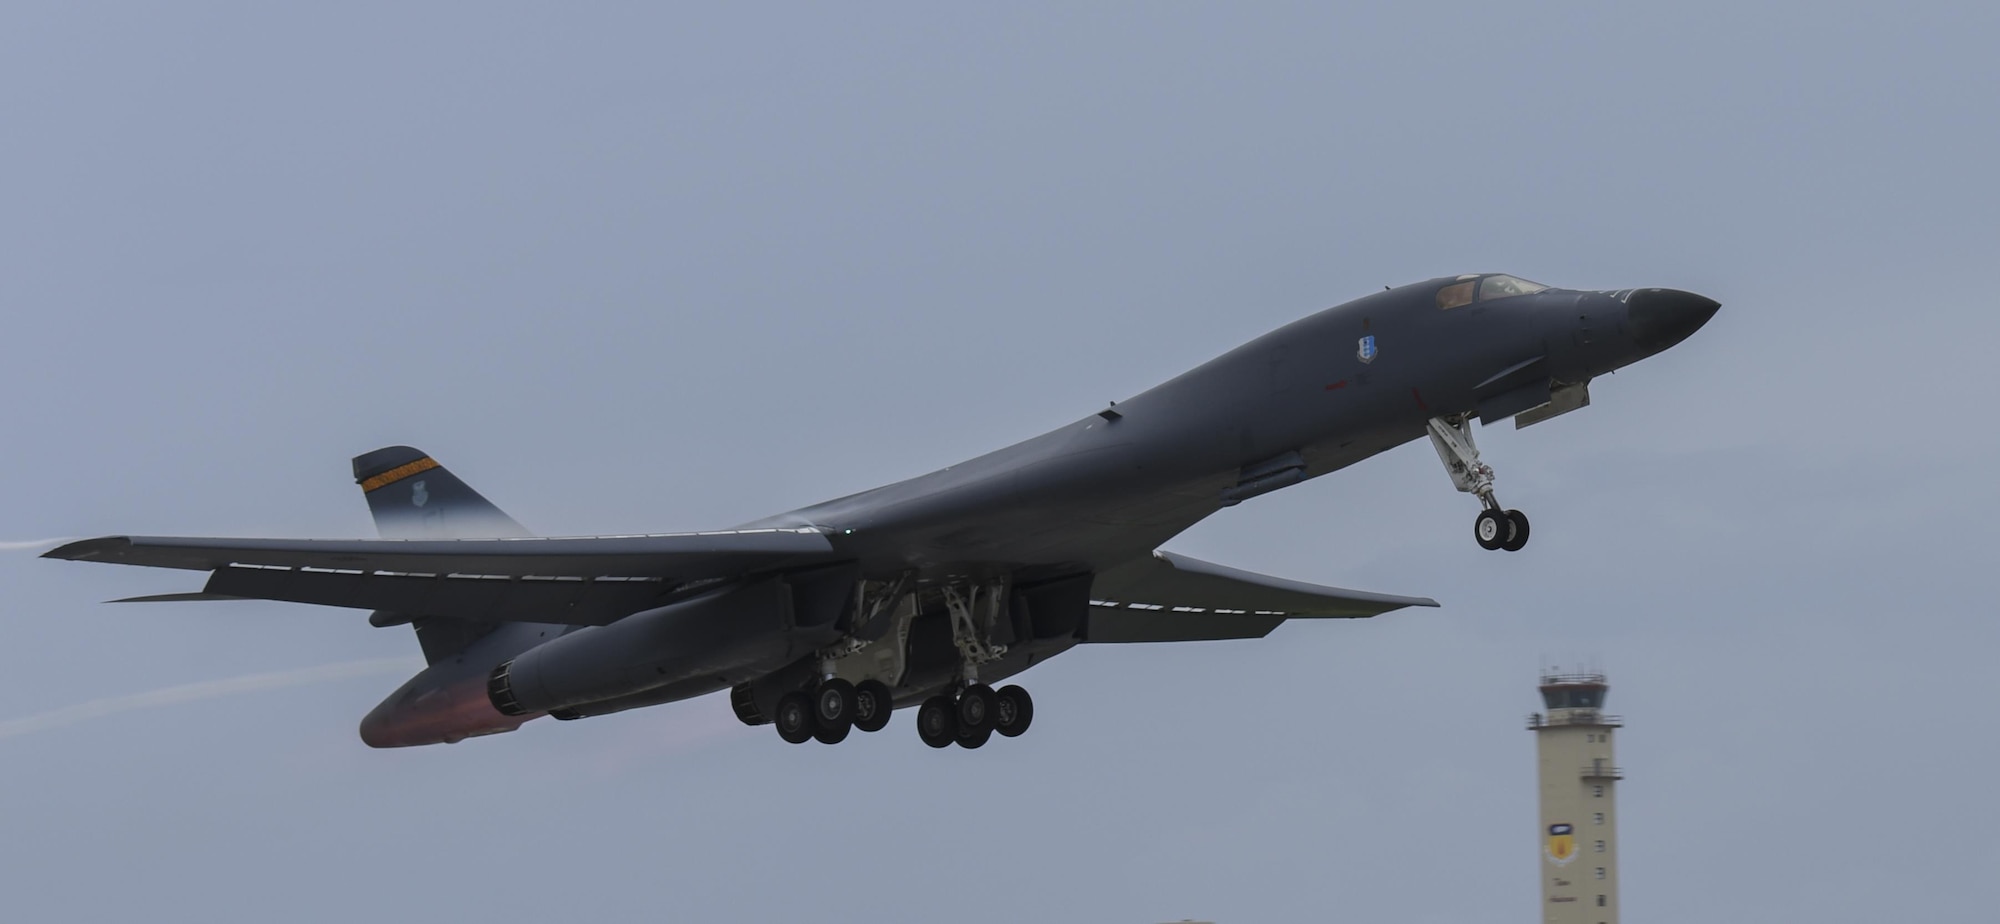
<point>418,495</point>
<point>1366,351</point>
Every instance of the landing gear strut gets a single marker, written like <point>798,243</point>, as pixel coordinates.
<point>977,711</point>
<point>1495,528</point>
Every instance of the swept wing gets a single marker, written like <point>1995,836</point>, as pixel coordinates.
<point>1169,597</point>
<point>590,580</point>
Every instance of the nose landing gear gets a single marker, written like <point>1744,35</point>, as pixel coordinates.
<point>1495,528</point>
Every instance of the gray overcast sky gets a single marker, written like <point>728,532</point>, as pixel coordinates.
<point>626,268</point>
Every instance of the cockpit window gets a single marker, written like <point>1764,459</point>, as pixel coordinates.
<point>1493,287</point>
<point>1456,294</point>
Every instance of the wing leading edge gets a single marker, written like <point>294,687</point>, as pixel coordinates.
<point>580,581</point>
<point>1173,598</point>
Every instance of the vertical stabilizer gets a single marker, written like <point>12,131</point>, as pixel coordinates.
<point>413,497</point>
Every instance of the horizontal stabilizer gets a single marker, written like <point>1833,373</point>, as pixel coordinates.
<point>1173,598</point>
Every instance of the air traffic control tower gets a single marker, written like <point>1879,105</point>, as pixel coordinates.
<point>1578,837</point>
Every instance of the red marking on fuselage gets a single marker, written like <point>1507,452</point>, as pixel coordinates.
<point>1420,399</point>
<point>1337,385</point>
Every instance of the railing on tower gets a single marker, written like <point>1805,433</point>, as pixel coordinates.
<point>1599,770</point>
<point>1589,717</point>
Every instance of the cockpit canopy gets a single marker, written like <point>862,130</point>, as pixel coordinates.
<point>1487,288</point>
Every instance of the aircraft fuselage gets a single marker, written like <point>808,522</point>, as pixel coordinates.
<point>1318,392</point>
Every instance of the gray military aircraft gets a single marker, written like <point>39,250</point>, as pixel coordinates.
<point>923,592</point>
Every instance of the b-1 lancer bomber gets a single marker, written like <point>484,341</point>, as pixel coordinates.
<point>926,592</point>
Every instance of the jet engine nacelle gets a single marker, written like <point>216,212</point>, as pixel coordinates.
<point>697,646</point>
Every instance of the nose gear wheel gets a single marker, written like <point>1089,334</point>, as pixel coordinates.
<point>1520,539</point>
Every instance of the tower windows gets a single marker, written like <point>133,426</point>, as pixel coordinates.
<point>1557,695</point>
<point>1597,818</point>
<point>1600,846</point>
<point>1597,791</point>
<point>1600,872</point>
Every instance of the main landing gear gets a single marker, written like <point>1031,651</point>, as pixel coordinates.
<point>967,715</point>
<point>1494,528</point>
<point>970,719</point>
<point>831,710</point>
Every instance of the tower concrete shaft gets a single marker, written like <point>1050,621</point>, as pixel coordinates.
<point>1578,836</point>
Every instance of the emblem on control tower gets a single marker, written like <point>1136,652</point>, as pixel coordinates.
<point>1562,845</point>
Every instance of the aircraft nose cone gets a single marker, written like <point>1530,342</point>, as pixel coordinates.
<point>1660,318</point>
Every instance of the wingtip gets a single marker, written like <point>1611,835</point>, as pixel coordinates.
<point>103,547</point>
<point>196,597</point>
